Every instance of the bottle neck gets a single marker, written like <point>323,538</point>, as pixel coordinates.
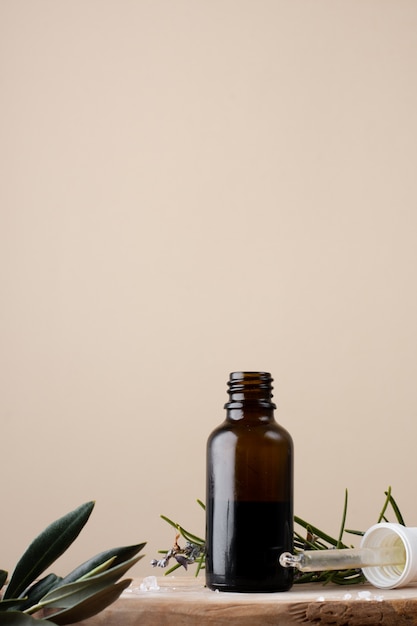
<point>250,391</point>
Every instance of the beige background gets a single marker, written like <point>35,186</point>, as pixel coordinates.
<point>192,187</point>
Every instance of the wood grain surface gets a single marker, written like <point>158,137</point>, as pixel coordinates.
<point>183,600</point>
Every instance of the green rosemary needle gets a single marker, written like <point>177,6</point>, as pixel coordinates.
<point>193,551</point>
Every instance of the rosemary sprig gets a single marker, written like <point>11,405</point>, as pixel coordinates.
<point>193,551</point>
<point>315,539</point>
<point>390,501</point>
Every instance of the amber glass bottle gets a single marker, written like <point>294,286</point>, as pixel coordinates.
<point>249,499</point>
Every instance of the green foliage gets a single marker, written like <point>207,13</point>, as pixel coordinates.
<point>314,539</point>
<point>85,591</point>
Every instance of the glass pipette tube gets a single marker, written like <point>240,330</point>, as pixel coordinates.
<point>347,558</point>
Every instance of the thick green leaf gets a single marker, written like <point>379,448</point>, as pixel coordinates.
<point>91,606</point>
<point>71,594</point>
<point>3,577</point>
<point>103,567</point>
<point>122,554</point>
<point>114,572</point>
<point>11,603</point>
<point>15,618</point>
<point>39,589</point>
<point>47,547</point>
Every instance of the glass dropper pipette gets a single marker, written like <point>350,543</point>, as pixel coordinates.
<point>387,556</point>
<point>346,558</point>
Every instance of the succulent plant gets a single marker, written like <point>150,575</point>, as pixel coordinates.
<point>29,600</point>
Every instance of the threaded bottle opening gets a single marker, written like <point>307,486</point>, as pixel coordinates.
<point>390,576</point>
<point>250,387</point>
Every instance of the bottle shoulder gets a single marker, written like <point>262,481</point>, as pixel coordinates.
<point>267,429</point>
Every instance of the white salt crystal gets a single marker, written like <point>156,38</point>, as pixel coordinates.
<point>149,584</point>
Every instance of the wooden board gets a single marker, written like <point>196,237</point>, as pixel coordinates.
<point>184,601</point>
